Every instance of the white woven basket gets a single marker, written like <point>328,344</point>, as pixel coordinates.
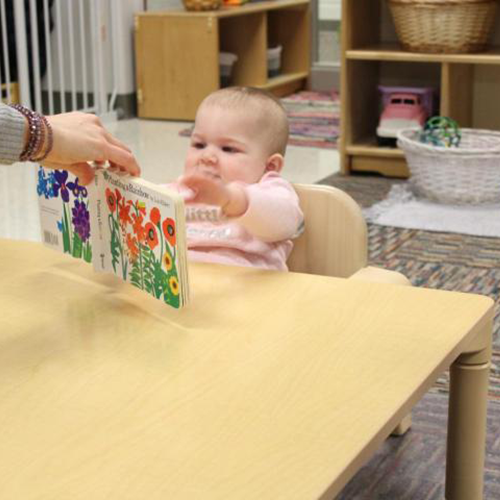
<point>467,174</point>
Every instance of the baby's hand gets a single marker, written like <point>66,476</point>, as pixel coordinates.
<point>206,189</point>
<point>211,190</point>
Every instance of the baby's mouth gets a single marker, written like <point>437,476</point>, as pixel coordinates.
<point>208,172</point>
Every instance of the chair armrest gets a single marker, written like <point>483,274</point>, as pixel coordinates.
<point>379,275</point>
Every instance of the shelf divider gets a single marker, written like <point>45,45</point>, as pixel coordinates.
<point>457,92</point>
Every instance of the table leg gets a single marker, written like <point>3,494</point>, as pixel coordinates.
<point>467,425</point>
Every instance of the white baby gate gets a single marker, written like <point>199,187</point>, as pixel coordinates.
<point>54,54</point>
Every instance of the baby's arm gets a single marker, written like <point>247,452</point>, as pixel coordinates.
<point>273,212</point>
<point>211,190</point>
<point>268,209</point>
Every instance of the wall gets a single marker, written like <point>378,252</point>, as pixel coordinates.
<point>164,4</point>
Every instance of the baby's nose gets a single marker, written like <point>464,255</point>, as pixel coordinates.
<point>209,157</point>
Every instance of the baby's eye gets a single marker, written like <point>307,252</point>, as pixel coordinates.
<point>229,149</point>
<point>198,145</point>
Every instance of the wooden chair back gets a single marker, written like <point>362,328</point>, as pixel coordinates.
<point>335,237</point>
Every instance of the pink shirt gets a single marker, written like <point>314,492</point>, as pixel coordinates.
<point>261,237</point>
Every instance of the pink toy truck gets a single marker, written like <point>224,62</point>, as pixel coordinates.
<point>404,107</point>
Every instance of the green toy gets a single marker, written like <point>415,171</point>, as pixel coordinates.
<point>441,131</point>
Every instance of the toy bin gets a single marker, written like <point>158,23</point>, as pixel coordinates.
<point>274,61</point>
<point>467,174</point>
<point>226,63</point>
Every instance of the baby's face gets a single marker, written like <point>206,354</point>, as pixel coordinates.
<point>227,144</point>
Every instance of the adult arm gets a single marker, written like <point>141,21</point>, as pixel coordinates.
<point>12,130</point>
<point>78,138</point>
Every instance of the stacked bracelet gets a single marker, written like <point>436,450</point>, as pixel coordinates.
<point>39,134</point>
<point>50,139</point>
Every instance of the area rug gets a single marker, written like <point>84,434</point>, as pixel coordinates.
<point>412,467</point>
<point>401,208</point>
<point>442,260</point>
<point>313,118</point>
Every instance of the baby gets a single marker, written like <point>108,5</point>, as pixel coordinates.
<point>240,211</point>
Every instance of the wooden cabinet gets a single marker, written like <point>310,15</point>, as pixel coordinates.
<point>177,53</point>
<point>468,85</point>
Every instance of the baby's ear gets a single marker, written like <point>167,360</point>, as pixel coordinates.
<point>275,163</point>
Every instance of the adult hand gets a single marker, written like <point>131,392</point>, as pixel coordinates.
<point>212,190</point>
<point>80,138</point>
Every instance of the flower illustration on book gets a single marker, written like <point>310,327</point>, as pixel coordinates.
<point>110,200</point>
<point>74,224</point>
<point>45,185</point>
<point>81,220</point>
<point>76,189</point>
<point>174,285</point>
<point>155,216</point>
<point>143,250</point>
<point>169,230</point>
<point>60,185</point>
<point>151,236</point>
<point>167,261</point>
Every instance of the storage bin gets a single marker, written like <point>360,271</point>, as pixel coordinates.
<point>274,61</point>
<point>468,174</point>
<point>443,26</point>
<point>226,63</point>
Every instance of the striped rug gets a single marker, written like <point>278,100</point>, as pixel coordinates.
<point>412,467</point>
<point>313,118</point>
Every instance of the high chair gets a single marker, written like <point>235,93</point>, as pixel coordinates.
<point>335,243</point>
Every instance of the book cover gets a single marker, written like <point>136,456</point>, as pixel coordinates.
<point>64,213</point>
<point>122,225</point>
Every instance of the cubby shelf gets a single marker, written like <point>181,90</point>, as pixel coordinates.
<point>177,53</point>
<point>392,52</point>
<point>370,57</point>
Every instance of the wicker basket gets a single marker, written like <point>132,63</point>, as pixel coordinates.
<point>202,4</point>
<point>443,26</point>
<point>467,174</point>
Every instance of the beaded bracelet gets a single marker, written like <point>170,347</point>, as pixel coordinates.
<point>38,126</point>
<point>50,139</point>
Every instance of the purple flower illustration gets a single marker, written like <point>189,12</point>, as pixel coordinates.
<point>81,220</point>
<point>61,176</point>
<point>77,189</point>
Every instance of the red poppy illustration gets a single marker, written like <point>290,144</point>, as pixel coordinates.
<point>155,215</point>
<point>169,230</point>
<point>151,236</point>
<point>118,195</point>
<point>110,200</point>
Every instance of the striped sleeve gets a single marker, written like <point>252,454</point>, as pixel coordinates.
<point>12,124</point>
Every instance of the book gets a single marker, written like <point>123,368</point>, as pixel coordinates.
<point>122,225</point>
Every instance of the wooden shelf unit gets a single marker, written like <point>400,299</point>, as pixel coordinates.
<point>14,92</point>
<point>177,53</point>
<point>371,56</point>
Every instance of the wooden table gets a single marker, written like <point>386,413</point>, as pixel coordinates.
<point>267,386</point>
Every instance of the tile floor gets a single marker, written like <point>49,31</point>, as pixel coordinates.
<point>160,151</point>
